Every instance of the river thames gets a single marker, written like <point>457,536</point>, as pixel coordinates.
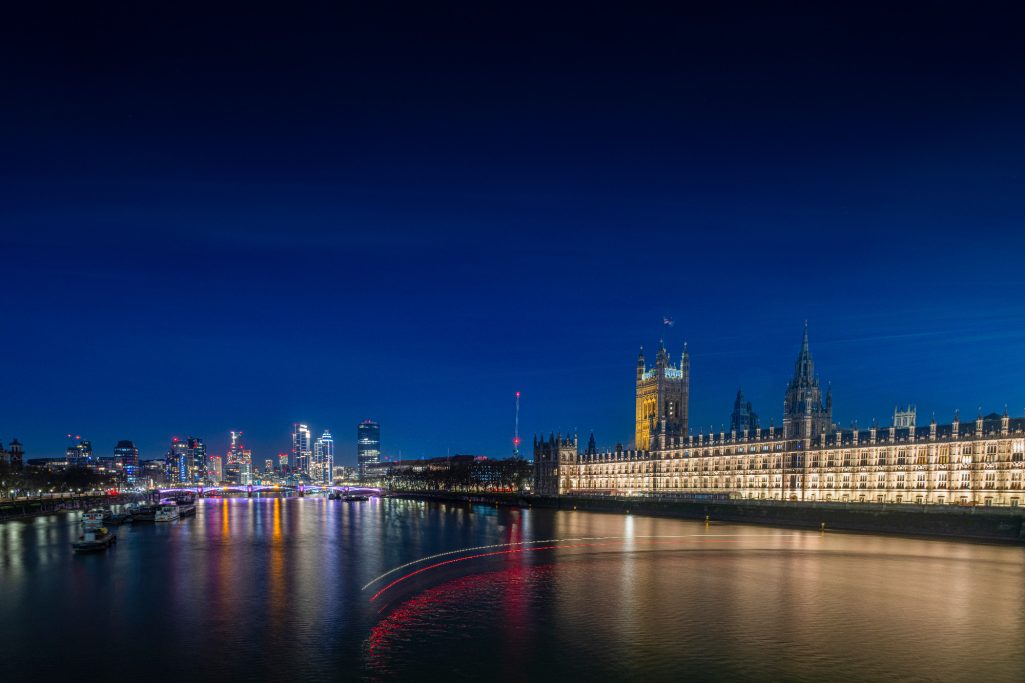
<point>299,588</point>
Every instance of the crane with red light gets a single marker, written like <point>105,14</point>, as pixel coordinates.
<point>516,429</point>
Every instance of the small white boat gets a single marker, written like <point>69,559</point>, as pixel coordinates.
<point>93,519</point>
<point>167,512</point>
<point>94,539</point>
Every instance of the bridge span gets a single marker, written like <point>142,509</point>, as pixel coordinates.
<point>284,489</point>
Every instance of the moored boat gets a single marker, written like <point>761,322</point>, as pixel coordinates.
<point>94,539</point>
<point>167,512</point>
<point>143,513</point>
<point>93,519</point>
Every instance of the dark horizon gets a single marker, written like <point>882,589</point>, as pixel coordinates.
<point>223,219</point>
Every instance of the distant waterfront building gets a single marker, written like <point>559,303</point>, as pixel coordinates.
<point>237,452</point>
<point>215,471</point>
<point>299,462</point>
<point>245,472</point>
<point>453,473</point>
<point>282,462</point>
<point>80,453</point>
<point>268,466</point>
<point>345,474</point>
<point>368,445</point>
<point>126,458</point>
<point>324,458</point>
<point>13,457</point>
<point>176,462</point>
<point>662,395</point>
<point>979,462</point>
<point>196,460</point>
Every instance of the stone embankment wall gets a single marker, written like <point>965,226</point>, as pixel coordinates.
<point>975,523</point>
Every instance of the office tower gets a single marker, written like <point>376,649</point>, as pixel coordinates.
<point>283,462</point>
<point>368,445</point>
<point>126,458</point>
<point>299,462</point>
<point>236,449</point>
<point>197,459</point>
<point>324,457</point>
<point>176,462</point>
<point>268,466</point>
<point>215,472</point>
<point>245,472</point>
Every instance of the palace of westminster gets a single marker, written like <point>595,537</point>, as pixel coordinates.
<point>808,459</point>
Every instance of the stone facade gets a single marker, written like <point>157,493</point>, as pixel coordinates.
<point>980,462</point>
<point>662,397</point>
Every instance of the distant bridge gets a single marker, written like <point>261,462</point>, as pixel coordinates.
<point>286,489</point>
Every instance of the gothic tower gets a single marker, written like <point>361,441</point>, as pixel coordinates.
<point>743,416</point>
<point>662,394</point>
<point>804,415</point>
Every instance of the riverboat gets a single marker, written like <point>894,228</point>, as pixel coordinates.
<point>93,519</point>
<point>94,539</point>
<point>167,512</point>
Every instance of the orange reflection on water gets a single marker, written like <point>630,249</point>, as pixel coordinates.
<point>276,594</point>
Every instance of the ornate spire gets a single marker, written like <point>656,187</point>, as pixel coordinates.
<point>804,368</point>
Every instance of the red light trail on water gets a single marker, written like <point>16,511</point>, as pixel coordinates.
<point>556,540</point>
<point>525,550</point>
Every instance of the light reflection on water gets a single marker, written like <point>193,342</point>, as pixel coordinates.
<point>271,587</point>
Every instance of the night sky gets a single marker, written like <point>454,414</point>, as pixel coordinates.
<point>246,219</point>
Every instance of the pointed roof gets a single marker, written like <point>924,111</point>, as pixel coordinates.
<point>804,367</point>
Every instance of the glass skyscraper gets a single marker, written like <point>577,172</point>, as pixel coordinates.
<point>197,459</point>
<point>299,461</point>
<point>324,457</point>
<point>368,445</point>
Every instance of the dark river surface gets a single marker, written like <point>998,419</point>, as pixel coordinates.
<point>273,589</point>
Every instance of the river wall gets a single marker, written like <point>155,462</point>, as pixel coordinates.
<point>955,522</point>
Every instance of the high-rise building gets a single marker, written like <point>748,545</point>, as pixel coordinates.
<point>215,472</point>
<point>368,445</point>
<point>176,462</point>
<point>282,462</point>
<point>268,466</point>
<point>662,396</point>
<point>126,458</point>
<point>245,472</point>
<point>197,459</point>
<point>299,462</point>
<point>324,457</point>
<point>235,450</point>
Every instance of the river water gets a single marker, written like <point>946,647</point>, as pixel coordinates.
<point>276,589</point>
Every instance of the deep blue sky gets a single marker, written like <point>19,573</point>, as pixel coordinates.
<point>244,219</point>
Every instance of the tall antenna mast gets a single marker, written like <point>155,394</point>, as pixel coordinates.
<point>516,430</point>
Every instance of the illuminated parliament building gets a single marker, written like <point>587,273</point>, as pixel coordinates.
<point>808,458</point>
